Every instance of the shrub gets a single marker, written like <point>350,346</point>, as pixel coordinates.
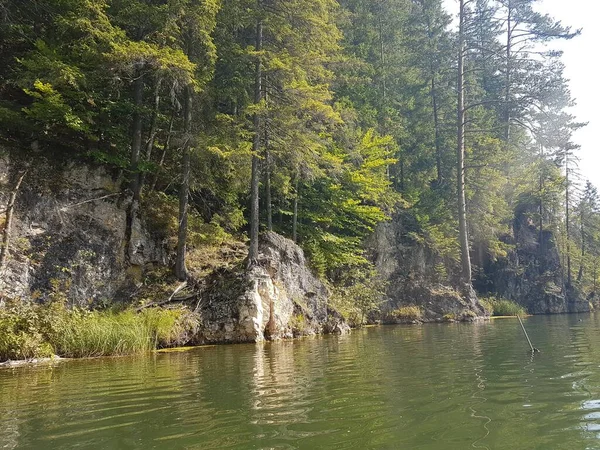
<point>409,313</point>
<point>358,295</point>
<point>502,307</point>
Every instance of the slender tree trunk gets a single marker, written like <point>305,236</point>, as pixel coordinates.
<point>166,149</point>
<point>508,75</point>
<point>541,195</point>
<point>255,177</point>
<point>268,199</point>
<point>136,150</point>
<point>462,211</point>
<point>6,234</point>
<point>580,273</point>
<point>382,58</point>
<point>436,124</point>
<point>568,221</point>
<point>184,190</point>
<point>153,127</point>
<point>595,282</point>
<point>295,216</point>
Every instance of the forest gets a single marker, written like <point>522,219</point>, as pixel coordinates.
<point>316,119</point>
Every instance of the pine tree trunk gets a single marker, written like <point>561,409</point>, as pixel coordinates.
<point>136,150</point>
<point>580,273</point>
<point>6,234</point>
<point>184,190</point>
<point>508,80</point>
<point>541,192</point>
<point>268,199</point>
<point>295,216</point>
<point>567,221</point>
<point>255,177</point>
<point>153,127</point>
<point>436,124</point>
<point>166,149</point>
<point>462,212</point>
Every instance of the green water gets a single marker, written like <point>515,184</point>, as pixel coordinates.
<point>421,387</point>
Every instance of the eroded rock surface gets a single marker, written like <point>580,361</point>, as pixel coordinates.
<point>417,275</point>
<point>532,274</point>
<point>68,235</point>
<point>277,298</point>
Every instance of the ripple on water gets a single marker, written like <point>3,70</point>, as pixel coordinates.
<point>427,387</point>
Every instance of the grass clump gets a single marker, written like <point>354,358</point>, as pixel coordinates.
<point>502,307</point>
<point>410,313</point>
<point>29,330</point>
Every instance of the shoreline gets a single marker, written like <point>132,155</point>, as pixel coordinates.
<point>36,362</point>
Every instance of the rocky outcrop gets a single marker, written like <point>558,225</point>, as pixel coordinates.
<point>68,234</point>
<point>532,274</point>
<point>418,276</point>
<point>277,298</point>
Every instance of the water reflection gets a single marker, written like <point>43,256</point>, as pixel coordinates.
<point>424,387</point>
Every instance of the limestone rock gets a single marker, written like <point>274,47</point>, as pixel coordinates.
<point>68,234</point>
<point>277,298</point>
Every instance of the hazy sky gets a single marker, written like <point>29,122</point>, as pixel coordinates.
<point>580,58</point>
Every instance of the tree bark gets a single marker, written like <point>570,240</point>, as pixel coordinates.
<point>462,211</point>
<point>4,251</point>
<point>507,106</point>
<point>295,216</point>
<point>255,177</point>
<point>166,148</point>
<point>567,219</point>
<point>580,273</point>
<point>136,149</point>
<point>268,199</point>
<point>541,195</point>
<point>153,128</point>
<point>184,190</point>
<point>436,124</point>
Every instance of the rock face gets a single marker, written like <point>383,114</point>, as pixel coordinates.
<point>278,298</point>
<point>416,275</point>
<point>68,234</point>
<point>532,273</point>
<point>68,239</point>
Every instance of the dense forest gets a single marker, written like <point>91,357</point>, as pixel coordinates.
<point>317,119</point>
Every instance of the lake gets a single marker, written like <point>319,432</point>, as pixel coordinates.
<point>447,386</point>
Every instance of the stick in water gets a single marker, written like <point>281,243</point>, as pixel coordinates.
<point>533,349</point>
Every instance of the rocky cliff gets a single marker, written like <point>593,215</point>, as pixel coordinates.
<point>277,298</point>
<point>417,275</point>
<point>532,274</point>
<point>67,240</point>
<point>68,234</point>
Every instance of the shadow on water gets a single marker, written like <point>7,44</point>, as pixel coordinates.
<point>444,387</point>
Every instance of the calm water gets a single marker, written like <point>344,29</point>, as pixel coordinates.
<point>421,387</point>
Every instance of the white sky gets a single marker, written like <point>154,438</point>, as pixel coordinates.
<point>580,58</point>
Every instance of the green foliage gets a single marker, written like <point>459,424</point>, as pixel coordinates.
<point>357,294</point>
<point>357,118</point>
<point>404,314</point>
<point>502,307</point>
<point>29,330</point>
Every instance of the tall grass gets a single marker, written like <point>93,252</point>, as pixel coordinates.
<point>502,307</point>
<point>30,330</point>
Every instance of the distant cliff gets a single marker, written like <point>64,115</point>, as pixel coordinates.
<point>532,274</point>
